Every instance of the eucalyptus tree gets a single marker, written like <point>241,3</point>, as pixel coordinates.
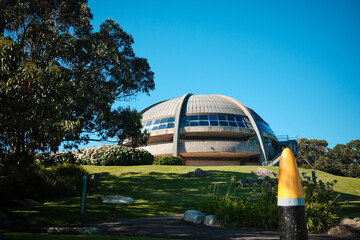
<point>59,79</point>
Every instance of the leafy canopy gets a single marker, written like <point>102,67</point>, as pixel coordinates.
<point>59,78</point>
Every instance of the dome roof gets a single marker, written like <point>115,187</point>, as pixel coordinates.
<point>196,104</point>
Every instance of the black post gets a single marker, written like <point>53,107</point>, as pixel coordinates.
<point>83,194</point>
<point>314,177</point>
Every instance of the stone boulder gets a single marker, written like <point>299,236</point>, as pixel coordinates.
<point>194,216</point>
<point>198,173</point>
<point>263,172</point>
<point>116,199</point>
<point>246,182</point>
<point>249,181</point>
<point>210,221</point>
<point>347,228</point>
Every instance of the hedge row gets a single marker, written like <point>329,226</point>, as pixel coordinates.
<point>107,155</point>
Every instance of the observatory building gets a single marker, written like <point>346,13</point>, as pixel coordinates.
<point>209,130</point>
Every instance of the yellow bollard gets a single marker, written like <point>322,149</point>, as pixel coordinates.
<point>291,203</point>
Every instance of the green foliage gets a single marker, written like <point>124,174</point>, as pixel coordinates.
<point>342,159</point>
<point>19,182</point>
<point>172,192</point>
<point>310,151</point>
<point>39,183</point>
<point>259,210</point>
<point>116,156</point>
<point>63,180</point>
<point>50,159</point>
<point>59,78</point>
<point>339,160</point>
<point>322,211</point>
<point>167,160</point>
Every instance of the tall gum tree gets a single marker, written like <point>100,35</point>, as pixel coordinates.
<point>59,78</point>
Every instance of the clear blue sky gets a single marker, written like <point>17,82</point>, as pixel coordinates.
<point>296,63</point>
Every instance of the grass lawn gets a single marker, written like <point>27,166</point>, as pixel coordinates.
<point>157,190</point>
<point>45,236</point>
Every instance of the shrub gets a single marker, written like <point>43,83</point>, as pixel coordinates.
<point>39,183</point>
<point>167,160</point>
<point>115,156</point>
<point>260,210</point>
<point>63,180</point>
<point>20,183</point>
<point>321,209</point>
<point>50,159</point>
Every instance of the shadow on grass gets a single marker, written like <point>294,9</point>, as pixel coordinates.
<point>155,194</point>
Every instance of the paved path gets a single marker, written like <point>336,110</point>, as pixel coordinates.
<point>175,227</point>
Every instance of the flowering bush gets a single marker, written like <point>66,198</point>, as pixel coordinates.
<point>115,156</point>
<point>50,159</point>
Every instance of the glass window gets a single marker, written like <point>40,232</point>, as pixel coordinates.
<point>148,123</point>
<point>157,121</point>
<point>241,124</point>
<point>194,123</point>
<point>162,126</point>
<point>231,118</point>
<point>170,125</point>
<point>224,123</point>
<point>203,117</point>
<point>171,119</point>
<point>213,117</point>
<point>164,120</point>
<point>155,127</point>
<point>185,118</point>
<point>195,117</point>
<point>233,124</point>
<point>184,124</point>
<point>239,119</point>
<point>214,123</point>
<point>203,123</point>
<point>222,117</point>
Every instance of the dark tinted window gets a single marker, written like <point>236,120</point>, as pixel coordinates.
<point>214,123</point>
<point>233,124</point>
<point>213,117</point>
<point>203,123</point>
<point>195,117</point>
<point>222,117</point>
<point>194,123</point>
<point>231,118</point>
<point>224,123</point>
<point>203,117</point>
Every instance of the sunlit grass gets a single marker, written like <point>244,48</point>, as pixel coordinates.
<point>157,190</point>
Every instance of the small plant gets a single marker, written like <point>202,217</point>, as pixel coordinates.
<point>259,210</point>
<point>321,209</point>
<point>167,160</point>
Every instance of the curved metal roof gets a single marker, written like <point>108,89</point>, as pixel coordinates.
<point>196,104</point>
